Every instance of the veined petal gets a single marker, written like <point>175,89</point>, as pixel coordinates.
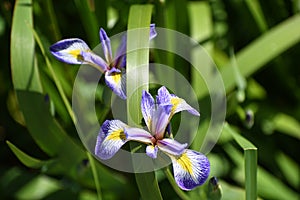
<point>139,135</point>
<point>90,58</point>
<point>181,105</point>
<point>110,139</point>
<point>160,120</point>
<point>152,32</point>
<point>69,50</point>
<point>105,41</point>
<point>171,146</point>
<point>120,56</point>
<point>191,169</point>
<point>147,107</point>
<point>116,81</point>
<point>151,151</point>
<point>178,104</point>
<point>163,96</point>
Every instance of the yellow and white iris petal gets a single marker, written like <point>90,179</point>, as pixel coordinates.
<point>114,134</point>
<point>178,104</point>
<point>116,81</point>
<point>110,139</point>
<point>191,169</point>
<point>69,50</point>
<point>76,51</point>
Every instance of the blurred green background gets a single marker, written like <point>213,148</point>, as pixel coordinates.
<point>255,45</point>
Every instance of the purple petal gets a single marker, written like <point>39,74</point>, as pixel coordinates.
<point>116,81</point>
<point>69,50</point>
<point>151,151</point>
<point>181,105</point>
<point>178,104</point>
<point>171,146</point>
<point>120,56</point>
<point>160,120</point>
<point>94,60</point>
<point>105,41</point>
<point>147,107</point>
<point>139,135</point>
<point>152,31</point>
<point>110,139</point>
<point>163,96</point>
<point>191,169</point>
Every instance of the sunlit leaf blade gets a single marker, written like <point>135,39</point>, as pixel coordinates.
<point>287,125</point>
<point>250,159</point>
<point>264,49</point>
<point>137,60</point>
<point>26,159</point>
<point>24,72</point>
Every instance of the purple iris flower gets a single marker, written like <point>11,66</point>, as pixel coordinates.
<point>76,51</point>
<point>190,167</point>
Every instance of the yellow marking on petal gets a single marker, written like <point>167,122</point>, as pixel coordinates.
<point>116,77</point>
<point>117,135</point>
<point>175,101</point>
<point>76,54</point>
<point>185,162</point>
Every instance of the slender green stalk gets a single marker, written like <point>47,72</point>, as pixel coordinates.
<point>95,175</point>
<point>55,78</point>
<point>53,21</point>
<point>178,191</point>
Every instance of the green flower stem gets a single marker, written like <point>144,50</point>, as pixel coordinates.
<point>171,179</point>
<point>55,78</point>
<point>95,175</point>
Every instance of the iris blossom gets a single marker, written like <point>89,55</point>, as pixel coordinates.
<point>190,167</point>
<point>76,51</point>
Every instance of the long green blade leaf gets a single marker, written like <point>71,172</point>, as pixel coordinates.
<point>137,80</point>
<point>26,159</point>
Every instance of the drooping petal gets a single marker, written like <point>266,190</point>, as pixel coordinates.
<point>160,120</point>
<point>181,105</point>
<point>69,50</point>
<point>139,135</point>
<point>110,139</point>
<point>105,41</point>
<point>191,169</point>
<point>116,81</point>
<point>171,146</point>
<point>152,31</point>
<point>147,107</point>
<point>151,151</point>
<point>76,51</point>
<point>178,104</point>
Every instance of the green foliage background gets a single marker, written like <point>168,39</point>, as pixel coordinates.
<point>255,45</point>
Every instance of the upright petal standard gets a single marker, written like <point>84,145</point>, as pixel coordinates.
<point>190,168</point>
